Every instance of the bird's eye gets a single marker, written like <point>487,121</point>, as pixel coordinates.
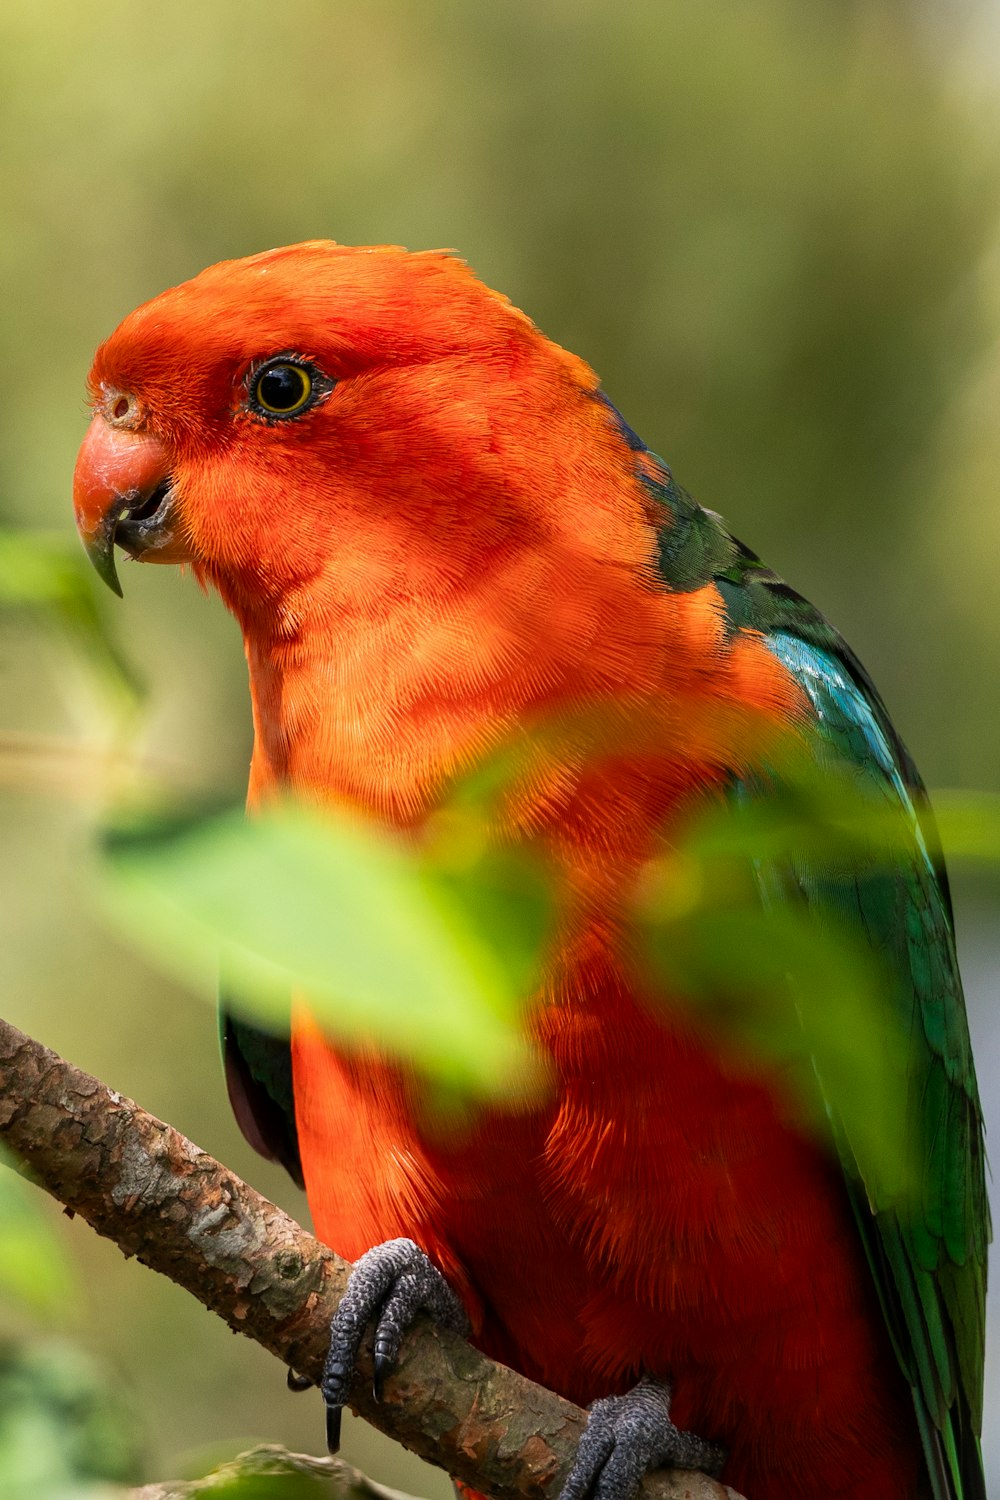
<point>282,389</point>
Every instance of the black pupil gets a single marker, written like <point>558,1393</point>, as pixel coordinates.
<point>281,388</point>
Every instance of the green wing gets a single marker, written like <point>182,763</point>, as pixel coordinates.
<point>928,1259</point>
<point>259,1079</point>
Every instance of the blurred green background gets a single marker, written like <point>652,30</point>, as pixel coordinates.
<point>773,231</point>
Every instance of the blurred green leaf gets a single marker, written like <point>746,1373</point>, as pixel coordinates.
<point>270,1472</point>
<point>48,573</point>
<point>820,812</point>
<point>505,895</point>
<point>388,944</point>
<point>34,1270</point>
<point>824,815</point>
<point>808,998</point>
<point>65,1431</point>
<point>269,1487</point>
<point>793,985</point>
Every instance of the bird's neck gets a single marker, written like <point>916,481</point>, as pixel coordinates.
<point>381,698</point>
<point>384,709</point>
<point>383,706</point>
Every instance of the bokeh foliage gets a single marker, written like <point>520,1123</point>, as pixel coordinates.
<point>64,1435</point>
<point>770,228</point>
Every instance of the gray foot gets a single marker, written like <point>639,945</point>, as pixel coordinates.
<point>628,1435</point>
<point>389,1285</point>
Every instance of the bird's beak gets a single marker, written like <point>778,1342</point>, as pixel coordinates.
<point>123,492</point>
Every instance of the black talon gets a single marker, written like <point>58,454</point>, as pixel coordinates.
<point>333,1414</point>
<point>296,1381</point>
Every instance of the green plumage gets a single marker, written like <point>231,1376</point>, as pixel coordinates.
<point>928,1257</point>
<point>259,1079</point>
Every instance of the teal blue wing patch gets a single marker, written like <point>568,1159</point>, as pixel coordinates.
<point>928,1258</point>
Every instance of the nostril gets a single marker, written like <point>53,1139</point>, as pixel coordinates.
<point>150,505</point>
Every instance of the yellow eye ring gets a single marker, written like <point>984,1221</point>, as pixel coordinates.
<point>282,389</point>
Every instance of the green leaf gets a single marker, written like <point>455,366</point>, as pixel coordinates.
<point>34,1271</point>
<point>789,983</point>
<point>268,1487</point>
<point>388,944</point>
<point>808,998</point>
<point>48,573</point>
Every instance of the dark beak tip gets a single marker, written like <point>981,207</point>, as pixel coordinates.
<point>100,549</point>
<point>107,571</point>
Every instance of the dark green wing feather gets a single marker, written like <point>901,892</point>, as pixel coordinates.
<point>259,1079</point>
<point>928,1259</point>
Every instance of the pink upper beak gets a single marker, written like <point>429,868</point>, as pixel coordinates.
<point>122,492</point>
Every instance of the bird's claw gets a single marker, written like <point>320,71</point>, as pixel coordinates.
<point>390,1285</point>
<point>628,1435</point>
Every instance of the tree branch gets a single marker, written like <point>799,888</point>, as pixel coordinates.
<point>142,1184</point>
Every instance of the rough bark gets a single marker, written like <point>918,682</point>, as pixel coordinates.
<point>140,1183</point>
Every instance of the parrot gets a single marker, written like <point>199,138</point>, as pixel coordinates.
<point>435,530</point>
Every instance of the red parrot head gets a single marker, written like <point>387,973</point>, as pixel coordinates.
<point>321,408</point>
<point>424,517</point>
